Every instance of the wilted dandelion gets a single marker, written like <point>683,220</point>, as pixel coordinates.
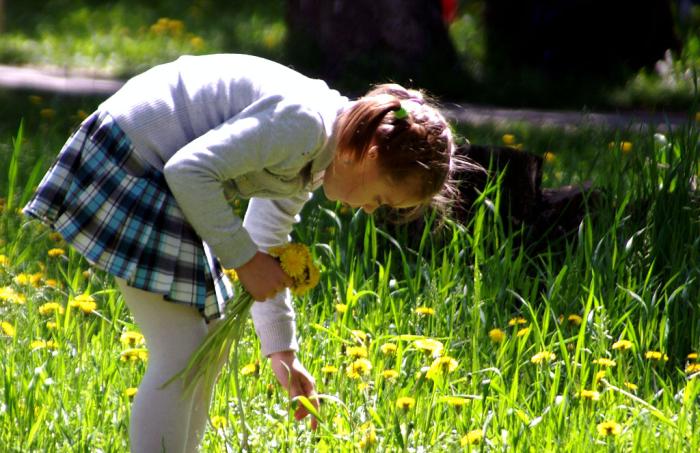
<point>134,355</point>
<point>609,428</point>
<point>656,355</point>
<point>622,345</point>
<point>497,335</point>
<point>605,362</point>
<point>472,438</point>
<point>131,338</point>
<point>341,308</point>
<point>425,311</point>
<point>358,368</point>
<point>441,366</point>
<point>429,346</point>
<point>388,349</point>
<point>8,329</point>
<point>592,395</point>
<point>542,357</point>
<point>50,308</point>
<point>219,422</point>
<point>356,352</point>
<point>405,403</point>
<point>251,369</point>
<point>55,252</point>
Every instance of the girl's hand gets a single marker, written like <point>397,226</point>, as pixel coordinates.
<point>263,277</point>
<point>292,375</point>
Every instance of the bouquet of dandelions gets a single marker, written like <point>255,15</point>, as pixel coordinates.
<point>297,263</point>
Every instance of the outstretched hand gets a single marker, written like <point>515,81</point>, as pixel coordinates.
<point>263,277</point>
<point>292,376</point>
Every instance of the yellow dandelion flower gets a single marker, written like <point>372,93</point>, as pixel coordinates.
<point>49,308</point>
<point>549,156</point>
<point>51,325</point>
<point>441,366</point>
<point>357,352</point>
<point>575,319</point>
<point>656,355</point>
<point>8,294</point>
<point>4,261</point>
<point>631,386</point>
<point>472,438</point>
<point>87,274</point>
<point>622,345</point>
<point>43,344</point>
<point>508,139</point>
<point>293,259</point>
<point>429,346</point>
<point>197,42</point>
<point>84,302</point>
<point>517,321</point>
<point>8,329</point>
<point>425,311</point>
<point>35,279</point>
<point>497,335</point>
<point>219,422</point>
<point>340,427</point>
<point>522,332</point>
<point>134,355</point>
<point>359,336</point>
<point>341,308</point>
<point>609,428</point>
<point>604,362</point>
<point>56,252</point>
<point>542,357</point>
<point>251,369</point>
<point>390,375</point>
<point>51,283</point>
<point>131,392</point>
<point>329,369</point>
<point>592,395</point>
<point>369,436</point>
<point>388,349</point>
<point>692,356</point>
<point>598,376</point>
<point>455,401</point>
<point>692,368</point>
<point>231,274</point>
<point>362,386</point>
<point>626,147</point>
<point>405,403</point>
<point>131,338</point>
<point>358,368</point>
<point>22,279</point>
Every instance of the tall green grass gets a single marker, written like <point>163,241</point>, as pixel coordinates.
<point>630,273</point>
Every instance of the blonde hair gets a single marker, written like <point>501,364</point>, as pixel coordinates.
<point>414,140</point>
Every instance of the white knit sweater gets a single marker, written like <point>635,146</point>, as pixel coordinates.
<point>222,126</point>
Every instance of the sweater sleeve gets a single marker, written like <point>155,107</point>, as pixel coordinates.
<point>265,134</point>
<point>269,223</point>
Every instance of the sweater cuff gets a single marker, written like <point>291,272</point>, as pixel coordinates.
<point>236,250</point>
<point>277,336</point>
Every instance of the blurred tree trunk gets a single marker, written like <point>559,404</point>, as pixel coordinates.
<point>357,42</point>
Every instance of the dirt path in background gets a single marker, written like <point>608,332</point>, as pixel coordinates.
<point>63,81</point>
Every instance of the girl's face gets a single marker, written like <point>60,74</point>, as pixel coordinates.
<point>363,184</point>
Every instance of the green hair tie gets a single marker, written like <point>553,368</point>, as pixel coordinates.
<point>400,113</point>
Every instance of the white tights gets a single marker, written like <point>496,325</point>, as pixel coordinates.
<point>167,419</point>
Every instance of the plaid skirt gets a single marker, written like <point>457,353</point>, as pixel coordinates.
<point>118,212</point>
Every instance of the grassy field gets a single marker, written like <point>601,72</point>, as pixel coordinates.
<point>462,344</point>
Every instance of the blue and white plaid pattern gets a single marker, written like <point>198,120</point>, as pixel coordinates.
<point>118,212</point>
